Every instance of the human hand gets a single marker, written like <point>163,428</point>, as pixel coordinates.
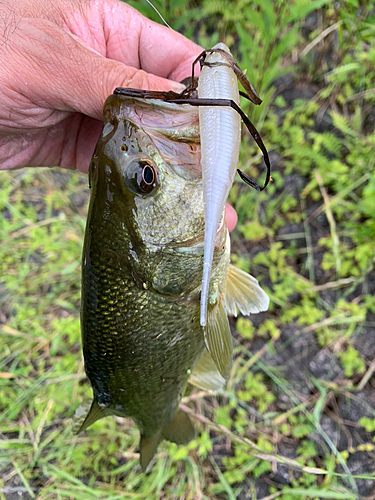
<point>231,217</point>
<point>58,63</point>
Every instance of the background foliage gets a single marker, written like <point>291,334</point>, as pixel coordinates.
<point>297,420</point>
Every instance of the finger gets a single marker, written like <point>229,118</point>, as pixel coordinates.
<point>231,217</point>
<point>60,72</point>
<point>138,42</point>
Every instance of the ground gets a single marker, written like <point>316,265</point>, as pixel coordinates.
<point>297,419</point>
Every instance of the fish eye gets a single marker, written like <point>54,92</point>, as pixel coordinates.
<point>148,177</point>
<point>140,176</point>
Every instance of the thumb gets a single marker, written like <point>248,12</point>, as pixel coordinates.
<point>61,72</point>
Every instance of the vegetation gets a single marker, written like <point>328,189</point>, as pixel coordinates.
<point>297,420</point>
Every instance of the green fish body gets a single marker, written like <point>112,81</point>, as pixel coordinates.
<point>142,273</point>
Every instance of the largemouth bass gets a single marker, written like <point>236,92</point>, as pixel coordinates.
<point>142,273</point>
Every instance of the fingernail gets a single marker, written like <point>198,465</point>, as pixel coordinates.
<point>177,87</point>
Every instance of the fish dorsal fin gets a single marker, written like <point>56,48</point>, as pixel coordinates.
<point>180,430</point>
<point>218,338</point>
<point>205,374</point>
<point>243,292</point>
<point>86,414</point>
<point>148,446</point>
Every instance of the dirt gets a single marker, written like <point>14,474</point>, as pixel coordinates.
<point>299,357</point>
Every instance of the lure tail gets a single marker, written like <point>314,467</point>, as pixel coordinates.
<point>213,210</point>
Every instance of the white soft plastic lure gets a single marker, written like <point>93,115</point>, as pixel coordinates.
<point>220,137</point>
<point>220,132</point>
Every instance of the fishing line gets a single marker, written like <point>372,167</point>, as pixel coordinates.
<point>158,13</point>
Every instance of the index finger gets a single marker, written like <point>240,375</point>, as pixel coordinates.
<point>140,43</point>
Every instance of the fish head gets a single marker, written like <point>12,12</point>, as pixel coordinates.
<point>147,169</point>
<point>146,207</point>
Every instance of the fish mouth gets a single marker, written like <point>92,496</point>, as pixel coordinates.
<point>197,242</point>
<point>221,224</point>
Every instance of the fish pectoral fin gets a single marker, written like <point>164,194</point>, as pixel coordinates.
<point>243,292</point>
<point>148,446</point>
<point>218,338</point>
<point>180,430</point>
<point>205,375</point>
<point>86,414</point>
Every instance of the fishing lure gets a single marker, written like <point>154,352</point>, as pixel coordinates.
<point>217,95</point>
<point>190,96</point>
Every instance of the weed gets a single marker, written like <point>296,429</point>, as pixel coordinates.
<point>297,418</point>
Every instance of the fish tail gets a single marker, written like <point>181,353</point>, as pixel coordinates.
<point>180,430</point>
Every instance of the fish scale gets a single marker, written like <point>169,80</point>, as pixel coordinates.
<point>145,332</point>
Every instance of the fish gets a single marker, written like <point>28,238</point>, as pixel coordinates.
<point>142,274</point>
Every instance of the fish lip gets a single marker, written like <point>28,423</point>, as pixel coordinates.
<point>198,240</point>
<point>221,224</point>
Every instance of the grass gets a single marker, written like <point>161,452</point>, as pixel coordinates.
<point>297,420</point>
